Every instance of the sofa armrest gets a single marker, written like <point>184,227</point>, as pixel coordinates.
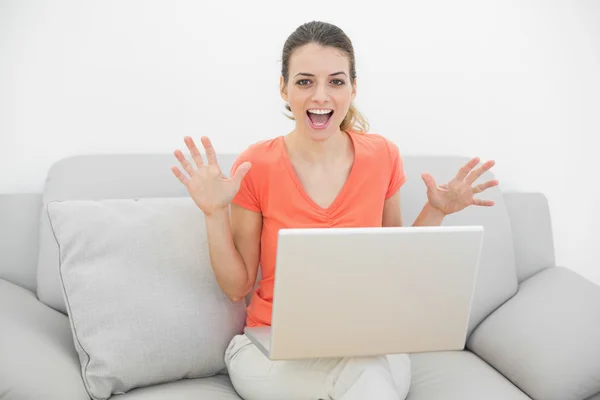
<point>546,339</point>
<point>19,238</point>
<point>37,356</point>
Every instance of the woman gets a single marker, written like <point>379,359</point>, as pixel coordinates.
<point>327,172</point>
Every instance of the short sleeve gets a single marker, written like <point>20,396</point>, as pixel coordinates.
<point>397,173</point>
<point>247,196</point>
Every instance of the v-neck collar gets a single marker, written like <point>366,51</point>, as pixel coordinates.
<point>341,194</point>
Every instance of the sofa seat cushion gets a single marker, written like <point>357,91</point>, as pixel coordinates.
<point>37,357</point>
<point>546,339</point>
<point>458,375</point>
<point>217,387</point>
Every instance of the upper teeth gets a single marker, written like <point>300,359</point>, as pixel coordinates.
<point>320,111</point>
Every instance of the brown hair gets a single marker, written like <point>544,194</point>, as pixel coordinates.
<point>326,35</point>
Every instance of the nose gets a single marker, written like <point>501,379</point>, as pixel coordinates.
<point>320,94</point>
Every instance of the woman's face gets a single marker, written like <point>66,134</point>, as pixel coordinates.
<point>319,89</point>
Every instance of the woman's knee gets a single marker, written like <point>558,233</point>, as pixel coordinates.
<point>357,375</point>
<point>244,360</point>
<point>255,377</point>
<point>401,371</point>
<point>247,368</point>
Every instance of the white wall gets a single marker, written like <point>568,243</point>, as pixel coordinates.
<point>516,81</point>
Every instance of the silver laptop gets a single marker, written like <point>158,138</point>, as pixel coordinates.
<point>344,292</point>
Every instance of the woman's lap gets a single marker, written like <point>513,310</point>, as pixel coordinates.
<point>256,377</point>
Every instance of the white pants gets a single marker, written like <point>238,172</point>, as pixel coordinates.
<point>255,377</point>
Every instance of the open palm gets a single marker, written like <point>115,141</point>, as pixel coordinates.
<point>210,189</point>
<point>459,193</point>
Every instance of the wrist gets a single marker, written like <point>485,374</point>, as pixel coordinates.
<point>432,210</point>
<point>217,216</point>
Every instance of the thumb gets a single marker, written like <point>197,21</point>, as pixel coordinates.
<point>429,181</point>
<point>241,171</point>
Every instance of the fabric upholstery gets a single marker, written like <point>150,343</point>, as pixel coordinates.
<point>96,177</point>
<point>546,339</point>
<point>212,388</point>
<point>144,305</point>
<point>19,219</point>
<point>37,357</point>
<point>458,375</point>
<point>532,232</point>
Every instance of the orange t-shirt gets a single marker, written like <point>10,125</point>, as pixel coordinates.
<point>272,188</point>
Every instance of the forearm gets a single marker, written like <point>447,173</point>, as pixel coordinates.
<point>227,263</point>
<point>429,216</point>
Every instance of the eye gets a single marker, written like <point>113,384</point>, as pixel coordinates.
<point>303,82</point>
<point>338,82</point>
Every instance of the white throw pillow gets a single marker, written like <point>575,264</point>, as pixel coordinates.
<point>142,299</point>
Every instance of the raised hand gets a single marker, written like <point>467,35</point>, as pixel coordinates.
<point>459,192</point>
<point>206,184</point>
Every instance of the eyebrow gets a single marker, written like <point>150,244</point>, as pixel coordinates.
<point>307,74</point>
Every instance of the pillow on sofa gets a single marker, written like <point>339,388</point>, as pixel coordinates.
<point>142,299</point>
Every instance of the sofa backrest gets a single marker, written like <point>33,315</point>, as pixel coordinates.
<point>532,232</point>
<point>145,175</point>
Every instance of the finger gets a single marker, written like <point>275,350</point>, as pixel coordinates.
<point>211,155</point>
<point>484,203</point>
<point>241,171</point>
<point>196,155</point>
<point>184,162</point>
<point>484,186</point>
<point>429,181</point>
<point>474,175</point>
<point>179,175</point>
<point>465,169</point>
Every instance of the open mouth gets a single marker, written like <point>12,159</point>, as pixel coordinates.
<point>319,117</point>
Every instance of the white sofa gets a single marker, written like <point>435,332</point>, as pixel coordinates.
<point>534,330</point>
